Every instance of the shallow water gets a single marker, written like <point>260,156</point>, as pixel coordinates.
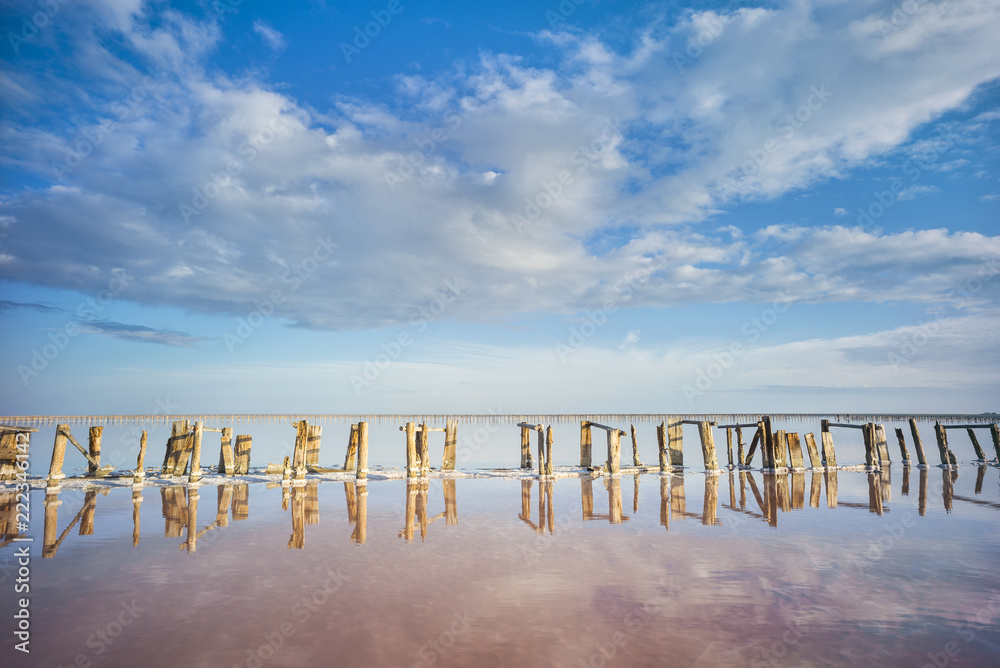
<point>803,569</point>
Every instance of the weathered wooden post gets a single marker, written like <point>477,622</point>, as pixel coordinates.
<point>58,454</point>
<point>525,448</point>
<point>980,455</point>
<point>412,463</point>
<point>635,448</point>
<point>585,445</point>
<point>95,450</point>
<point>661,443</point>
<point>942,443</point>
<point>450,445</point>
<point>227,459</point>
<point>995,434</point>
<point>362,473</point>
<point>768,446</point>
<point>548,450</point>
<point>314,438</point>
<point>195,474</point>
<point>902,447</point>
<point>614,451</point>
<point>675,441</point>
<point>299,455</point>
<point>795,459</point>
<point>140,472</point>
<point>883,445</point>
<point>779,449</point>
<point>286,472</point>
<point>243,444</point>
<point>826,439</point>
<point>755,443</point>
<point>708,446</point>
<point>729,446</point>
<point>425,448</point>
<point>541,450</point>
<point>871,454</point>
<point>352,447</point>
<point>917,443</point>
<point>740,459</point>
<point>815,461</point>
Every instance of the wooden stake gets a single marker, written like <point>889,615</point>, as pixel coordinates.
<point>412,463</point>
<point>829,455</point>
<point>740,459</point>
<point>779,446</point>
<point>243,444</point>
<point>525,448</point>
<point>980,455</point>
<point>882,444</point>
<point>902,447</point>
<point>352,447</point>
<point>548,450</point>
<point>227,459</point>
<point>195,475</point>
<point>585,445</point>
<point>995,434</point>
<point>942,443</point>
<point>661,443</point>
<point>917,443</point>
<point>314,437</point>
<point>815,460</point>
<point>708,448</point>
<point>729,446</point>
<point>425,449</point>
<point>675,441</point>
<point>635,448</point>
<point>614,452</point>
<point>95,449</point>
<point>58,454</point>
<point>450,445</point>
<point>362,473</point>
<point>794,451</point>
<point>768,445</point>
<point>299,456</point>
<point>871,454</point>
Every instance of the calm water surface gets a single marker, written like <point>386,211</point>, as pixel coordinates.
<point>805,569</point>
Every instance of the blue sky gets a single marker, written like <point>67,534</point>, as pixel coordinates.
<point>499,207</point>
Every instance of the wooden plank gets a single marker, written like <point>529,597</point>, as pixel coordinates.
<point>450,446</point>
<point>314,438</point>
<point>754,443</point>
<point>982,425</point>
<point>412,463</point>
<point>675,442</point>
<point>795,459</point>
<point>67,434</point>
<point>917,443</point>
<point>19,430</point>
<point>846,426</point>
<point>814,457</point>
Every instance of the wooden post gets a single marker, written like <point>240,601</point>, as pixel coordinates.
<point>314,437</point>
<point>227,459</point>
<point>871,454</point>
<point>635,448</point>
<point>980,455</point>
<point>995,434</point>
<point>412,463</point>
<point>585,446</point>
<point>740,459</point>
<point>767,445</point>
<point>883,445</point>
<point>299,456</point>
<point>243,444</point>
<point>362,473</point>
<point>795,460</point>
<point>95,450</point>
<point>729,446</point>
<point>58,454</point>
<point>352,447</point>
<point>917,443</point>
<point>754,444</point>
<point>548,450</point>
<point>779,448</point>
<point>195,474</point>
<point>902,447</point>
<point>661,443</point>
<point>942,443</point>
<point>425,448</point>
<point>450,445</point>
<point>140,472</point>
<point>815,460</point>
<point>286,471</point>
<point>675,441</point>
<point>708,446</point>
<point>525,448</point>
<point>541,451</point>
<point>614,451</point>
<point>829,455</point>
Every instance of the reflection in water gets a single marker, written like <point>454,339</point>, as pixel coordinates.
<point>710,509</point>
<point>947,488</point>
<point>416,508</point>
<point>875,493</point>
<point>980,476</point>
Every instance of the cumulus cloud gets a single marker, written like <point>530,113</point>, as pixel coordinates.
<point>274,39</point>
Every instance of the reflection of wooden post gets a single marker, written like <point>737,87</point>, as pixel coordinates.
<point>585,445</point>
<point>51,529</point>
<point>678,501</point>
<point>140,472</point>
<point>831,488</point>
<point>243,444</point>
<point>826,439</point>
<point>412,488</point>
<point>352,447</point>
<point>297,540</point>
<point>772,497</point>
<point>980,478</point>
<point>450,502</point>
<point>525,500</point>
<point>922,495</point>
<point>412,463</point>
<point>798,489</point>
<point>58,454</point>
<point>815,490</point>
<point>614,451</point>
<point>351,495</point>
<point>635,493</point>
<point>550,515</point>
<point>450,445</point>
<point>795,460</point>
<point>195,475</point>
<point>241,500</point>
<point>314,438</point>
<point>942,443</point>
<point>980,455</point>
<point>947,489</point>
<point>614,497</point>
<point>587,497</point>
<point>874,493</point>
<point>665,502</point>
<point>661,444</point>
<point>675,441</point>
<point>525,448</point>
<point>95,450</point>
<point>225,497</point>
<point>917,443</point>
<point>711,508</point>
<point>422,509</point>
<point>708,447</point>
<point>136,502</point>
<point>815,460</point>
<point>360,533</point>
<point>784,498</point>
<point>906,481</point>
<point>227,460</point>
<point>548,450</point>
<point>362,473</point>
<point>635,448</point>
<point>87,521</point>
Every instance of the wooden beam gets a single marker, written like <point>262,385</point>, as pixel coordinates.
<point>7,427</point>
<point>846,426</point>
<point>967,426</point>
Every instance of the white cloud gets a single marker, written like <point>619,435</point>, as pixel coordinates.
<point>274,39</point>
<point>915,191</point>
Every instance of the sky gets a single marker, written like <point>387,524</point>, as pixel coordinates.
<point>539,207</point>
